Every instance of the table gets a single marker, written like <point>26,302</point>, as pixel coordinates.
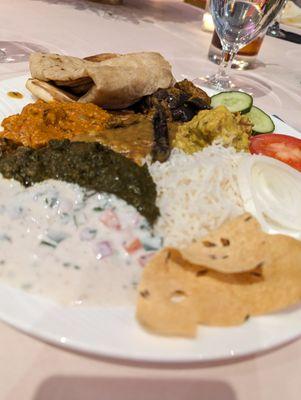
<point>32,370</point>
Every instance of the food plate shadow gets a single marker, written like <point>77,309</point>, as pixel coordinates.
<point>125,388</point>
<point>17,52</point>
<point>135,11</point>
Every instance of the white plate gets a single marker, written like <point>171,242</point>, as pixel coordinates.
<point>114,332</point>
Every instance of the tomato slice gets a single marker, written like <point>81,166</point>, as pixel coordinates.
<point>282,147</point>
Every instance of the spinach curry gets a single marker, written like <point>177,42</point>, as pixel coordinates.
<point>89,165</point>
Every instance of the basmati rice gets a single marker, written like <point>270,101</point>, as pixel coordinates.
<point>196,193</point>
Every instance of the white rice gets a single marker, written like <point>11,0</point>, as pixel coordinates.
<point>196,193</point>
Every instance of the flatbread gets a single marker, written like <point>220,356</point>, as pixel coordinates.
<point>176,295</point>
<point>101,57</point>
<point>109,80</point>
<point>51,67</point>
<point>231,248</point>
<point>121,81</point>
<point>47,92</point>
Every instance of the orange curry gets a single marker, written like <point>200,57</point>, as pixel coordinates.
<point>40,122</point>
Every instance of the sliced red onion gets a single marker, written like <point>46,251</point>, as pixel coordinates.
<point>110,219</point>
<point>103,249</point>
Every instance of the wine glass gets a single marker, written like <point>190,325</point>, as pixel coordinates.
<point>274,29</point>
<point>237,23</point>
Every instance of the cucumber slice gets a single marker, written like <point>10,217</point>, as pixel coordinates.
<point>262,123</point>
<point>234,101</point>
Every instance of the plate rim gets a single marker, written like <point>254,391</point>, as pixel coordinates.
<point>79,347</point>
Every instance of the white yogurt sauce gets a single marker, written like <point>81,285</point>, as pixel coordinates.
<point>76,247</point>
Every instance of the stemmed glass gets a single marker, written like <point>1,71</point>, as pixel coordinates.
<point>274,29</point>
<point>237,23</point>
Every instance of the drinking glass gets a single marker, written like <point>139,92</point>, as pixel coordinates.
<point>274,29</point>
<point>245,59</point>
<point>237,23</point>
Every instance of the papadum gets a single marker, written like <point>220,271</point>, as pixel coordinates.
<point>175,296</point>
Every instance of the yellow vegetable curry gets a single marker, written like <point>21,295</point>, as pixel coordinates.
<point>209,125</point>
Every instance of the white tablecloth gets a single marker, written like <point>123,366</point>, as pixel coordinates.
<point>32,370</point>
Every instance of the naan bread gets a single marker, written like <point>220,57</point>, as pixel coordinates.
<point>114,83</point>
